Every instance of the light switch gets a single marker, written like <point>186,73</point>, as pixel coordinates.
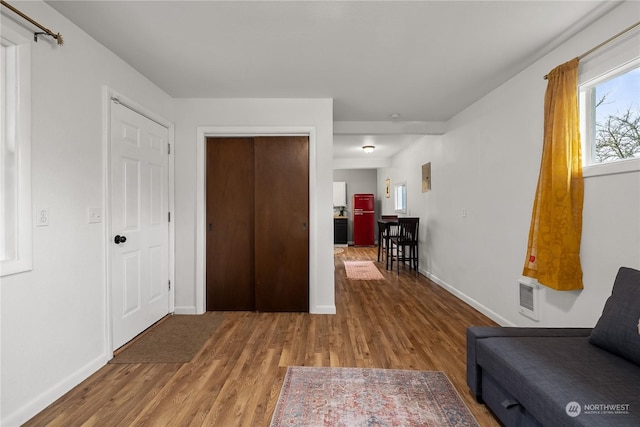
<point>94,215</point>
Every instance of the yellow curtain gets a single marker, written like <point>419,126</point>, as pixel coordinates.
<point>553,252</point>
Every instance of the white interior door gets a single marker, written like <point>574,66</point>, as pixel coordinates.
<point>139,223</point>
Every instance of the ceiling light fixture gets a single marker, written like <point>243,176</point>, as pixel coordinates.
<point>368,148</point>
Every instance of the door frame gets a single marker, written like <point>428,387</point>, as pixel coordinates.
<point>250,131</point>
<point>108,94</point>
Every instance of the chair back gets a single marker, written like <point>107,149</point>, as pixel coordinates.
<point>391,229</point>
<point>408,229</point>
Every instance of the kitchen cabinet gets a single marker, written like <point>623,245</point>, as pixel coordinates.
<point>339,194</point>
<point>340,231</point>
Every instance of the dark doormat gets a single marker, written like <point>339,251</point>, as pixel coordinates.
<point>176,339</point>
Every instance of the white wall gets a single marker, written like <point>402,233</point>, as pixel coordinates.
<point>488,163</point>
<point>406,168</point>
<point>53,317</point>
<point>249,115</point>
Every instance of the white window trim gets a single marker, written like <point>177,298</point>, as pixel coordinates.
<point>402,188</point>
<point>23,227</point>
<point>620,57</point>
<point>611,168</point>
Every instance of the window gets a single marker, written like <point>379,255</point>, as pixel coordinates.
<point>612,116</point>
<point>15,153</point>
<point>401,198</point>
<point>609,93</point>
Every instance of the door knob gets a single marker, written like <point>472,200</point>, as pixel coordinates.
<point>119,239</point>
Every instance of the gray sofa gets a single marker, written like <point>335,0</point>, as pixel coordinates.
<point>563,376</point>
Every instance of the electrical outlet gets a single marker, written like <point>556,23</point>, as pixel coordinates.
<point>42,217</point>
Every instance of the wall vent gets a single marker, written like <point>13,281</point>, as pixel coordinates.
<point>529,299</point>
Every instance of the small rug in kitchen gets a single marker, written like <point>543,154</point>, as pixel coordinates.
<point>369,397</point>
<point>362,270</point>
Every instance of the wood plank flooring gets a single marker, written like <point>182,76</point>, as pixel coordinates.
<point>402,322</point>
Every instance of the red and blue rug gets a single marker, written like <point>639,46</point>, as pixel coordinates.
<point>353,397</point>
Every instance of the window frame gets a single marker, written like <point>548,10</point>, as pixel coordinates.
<point>619,57</point>
<point>400,197</point>
<point>20,259</point>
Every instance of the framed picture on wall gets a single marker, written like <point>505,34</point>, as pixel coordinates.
<point>388,192</point>
<point>426,177</point>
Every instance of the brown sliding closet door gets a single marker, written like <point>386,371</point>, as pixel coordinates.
<point>282,223</point>
<point>257,223</point>
<point>230,260</point>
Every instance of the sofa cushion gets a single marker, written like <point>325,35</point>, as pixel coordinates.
<point>618,329</point>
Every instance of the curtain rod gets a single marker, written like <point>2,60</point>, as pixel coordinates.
<point>45,30</point>
<point>609,40</point>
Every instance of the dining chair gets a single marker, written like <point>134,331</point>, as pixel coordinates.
<point>407,238</point>
<point>390,230</point>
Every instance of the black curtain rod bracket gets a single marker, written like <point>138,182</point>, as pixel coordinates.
<point>58,37</point>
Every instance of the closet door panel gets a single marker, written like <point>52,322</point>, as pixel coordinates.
<point>282,223</point>
<point>230,224</point>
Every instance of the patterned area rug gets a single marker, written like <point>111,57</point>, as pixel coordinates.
<point>362,270</point>
<point>369,397</point>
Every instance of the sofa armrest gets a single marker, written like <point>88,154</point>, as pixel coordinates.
<point>474,333</point>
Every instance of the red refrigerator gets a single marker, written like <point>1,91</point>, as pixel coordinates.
<point>363,220</point>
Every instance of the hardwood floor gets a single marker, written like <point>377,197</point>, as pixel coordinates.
<point>402,322</point>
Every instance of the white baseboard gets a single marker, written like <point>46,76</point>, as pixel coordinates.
<point>32,408</point>
<point>185,310</point>
<point>464,297</point>
<point>323,309</point>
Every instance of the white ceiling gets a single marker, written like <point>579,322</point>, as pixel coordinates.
<point>424,60</point>
<point>350,146</point>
